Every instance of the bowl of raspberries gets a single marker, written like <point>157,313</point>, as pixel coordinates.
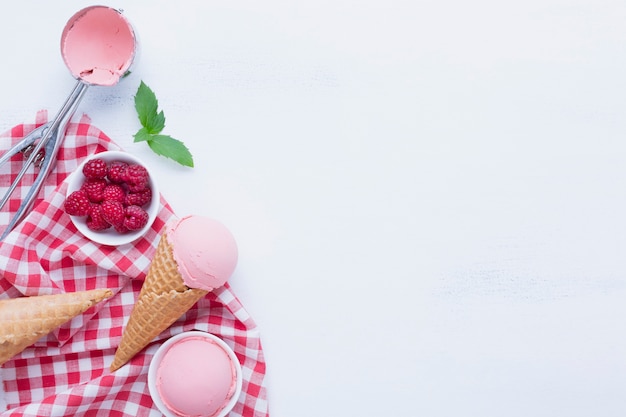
<point>111,198</point>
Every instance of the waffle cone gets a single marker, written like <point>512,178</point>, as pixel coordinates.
<point>25,320</point>
<point>163,299</point>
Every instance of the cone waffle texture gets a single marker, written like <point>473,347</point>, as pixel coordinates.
<point>163,299</point>
<point>25,320</point>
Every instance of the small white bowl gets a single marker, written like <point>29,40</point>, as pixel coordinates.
<point>160,353</point>
<point>109,236</point>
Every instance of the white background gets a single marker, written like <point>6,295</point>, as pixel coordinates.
<point>428,195</point>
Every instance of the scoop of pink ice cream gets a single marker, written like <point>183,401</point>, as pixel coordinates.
<point>98,45</point>
<point>196,377</point>
<point>205,251</point>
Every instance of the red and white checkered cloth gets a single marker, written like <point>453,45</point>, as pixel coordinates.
<point>66,373</point>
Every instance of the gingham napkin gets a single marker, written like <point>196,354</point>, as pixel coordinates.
<point>66,373</point>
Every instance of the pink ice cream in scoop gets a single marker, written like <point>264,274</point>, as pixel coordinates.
<point>196,377</point>
<point>205,251</point>
<point>98,45</point>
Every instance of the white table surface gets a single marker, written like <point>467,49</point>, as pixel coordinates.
<point>429,196</point>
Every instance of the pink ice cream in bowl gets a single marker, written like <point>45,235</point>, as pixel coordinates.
<point>196,373</point>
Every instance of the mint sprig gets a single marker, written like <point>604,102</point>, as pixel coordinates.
<point>153,121</point>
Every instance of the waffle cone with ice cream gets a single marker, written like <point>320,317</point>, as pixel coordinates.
<point>25,320</point>
<point>195,256</point>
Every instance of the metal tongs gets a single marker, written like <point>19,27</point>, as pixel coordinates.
<point>42,146</point>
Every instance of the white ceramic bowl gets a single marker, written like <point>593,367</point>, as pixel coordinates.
<point>158,356</point>
<point>110,237</point>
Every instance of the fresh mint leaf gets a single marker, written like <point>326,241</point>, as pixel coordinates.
<point>142,135</point>
<point>146,105</point>
<point>156,123</point>
<point>169,147</point>
<point>152,123</point>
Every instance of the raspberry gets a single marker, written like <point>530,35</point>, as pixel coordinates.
<point>117,172</point>
<point>113,212</point>
<point>95,219</point>
<point>136,218</point>
<point>121,229</point>
<point>114,192</point>
<point>96,168</point>
<point>77,204</point>
<point>94,189</point>
<point>136,178</point>
<point>139,199</point>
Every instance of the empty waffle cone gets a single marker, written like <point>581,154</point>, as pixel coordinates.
<point>163,299</point>
<point>25,320</point>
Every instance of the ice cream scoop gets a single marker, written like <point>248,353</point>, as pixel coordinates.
<point>98,45</point>
<point>195,374</point>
